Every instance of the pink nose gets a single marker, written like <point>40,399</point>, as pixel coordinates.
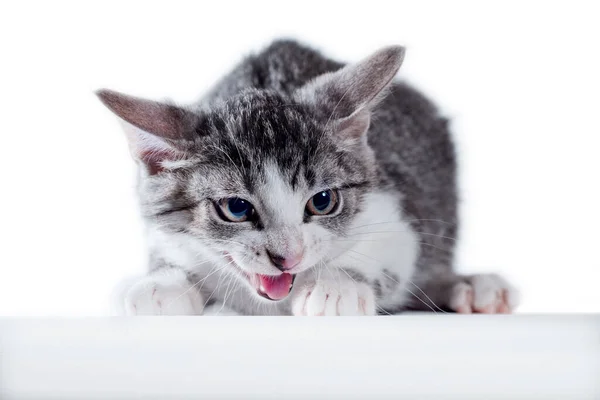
<point>284,263</point>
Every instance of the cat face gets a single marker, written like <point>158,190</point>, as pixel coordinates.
<point>264,184</point>
<point>266,190</point>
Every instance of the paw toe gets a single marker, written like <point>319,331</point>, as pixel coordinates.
<point>331,300</point>
<point>317,301</point>
<point>462,298</point>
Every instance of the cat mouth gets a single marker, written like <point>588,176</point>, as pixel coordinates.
<point>273,287</point>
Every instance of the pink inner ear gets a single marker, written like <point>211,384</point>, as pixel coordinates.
<point>154,158</point>
<point>354,126</point>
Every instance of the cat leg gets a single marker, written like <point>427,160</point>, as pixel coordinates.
<point>465,294</point>
<point>333,295</point>
<point>166,291</point>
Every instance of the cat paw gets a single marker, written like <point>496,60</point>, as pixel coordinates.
<point>484,294</point>
<point>163,294</point>
<point>332,298</point>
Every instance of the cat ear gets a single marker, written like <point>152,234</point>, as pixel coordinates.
<point>347,97</point>
<point>153,129</point>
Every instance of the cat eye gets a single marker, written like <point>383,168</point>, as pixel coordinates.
<point>235,210</point>
<point>322,203</point>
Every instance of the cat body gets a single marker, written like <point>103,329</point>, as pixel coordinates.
<point>300,185</point>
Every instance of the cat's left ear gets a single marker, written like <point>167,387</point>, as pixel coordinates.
<point>346,98</point>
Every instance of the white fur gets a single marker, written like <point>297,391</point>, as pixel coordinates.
<point>281,197</point>
<point>175,248</point>
<point>484,293</point>
<point>334,297</point>
<point>381,239</point>
<point>378,239</point>
<point>166,292</point>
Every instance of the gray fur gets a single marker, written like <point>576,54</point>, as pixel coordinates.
<point>291,107</point>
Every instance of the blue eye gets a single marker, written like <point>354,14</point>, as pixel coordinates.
<point>322,203</point>
<point>236,209</point>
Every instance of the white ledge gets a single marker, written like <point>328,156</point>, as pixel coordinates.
<point>423,356</point>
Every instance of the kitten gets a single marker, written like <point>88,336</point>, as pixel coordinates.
<point>300,185</point>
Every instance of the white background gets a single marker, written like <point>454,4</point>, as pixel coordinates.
<point>519,80</point>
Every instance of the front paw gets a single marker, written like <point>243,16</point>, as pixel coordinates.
<point>329,298</point>
<point>166,293</point>
<point>485,294</point>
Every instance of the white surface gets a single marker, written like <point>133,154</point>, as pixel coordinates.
<point>410,357</point>
<point>519,80</point>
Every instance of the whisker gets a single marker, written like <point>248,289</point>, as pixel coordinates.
<point>400,231</point>
<point>371,240</point>
<point>383,309</point>
<point>421,300</point>
<point>356,283</point>
<point>231,278</point>
<point>163,271</point>
<point>195,284</point>
<point>207,239</point>
<point>215,289</point>
<point>400,221</point>
<point>227,294</point>
<point>407,289</point>
<point>428,298</point>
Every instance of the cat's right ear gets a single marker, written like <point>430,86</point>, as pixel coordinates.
<point>153,129</point>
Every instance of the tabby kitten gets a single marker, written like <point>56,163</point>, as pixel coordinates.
<point>300,185</point>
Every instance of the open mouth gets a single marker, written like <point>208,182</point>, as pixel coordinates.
<point>273,287</point>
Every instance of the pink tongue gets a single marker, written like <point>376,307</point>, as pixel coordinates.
<point>276,287</point>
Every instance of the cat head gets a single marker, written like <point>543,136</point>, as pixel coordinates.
<point>263,183</point>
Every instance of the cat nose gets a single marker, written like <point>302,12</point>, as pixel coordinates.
<point>284,263</point>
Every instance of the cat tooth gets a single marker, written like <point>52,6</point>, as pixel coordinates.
<point>262,289</point>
